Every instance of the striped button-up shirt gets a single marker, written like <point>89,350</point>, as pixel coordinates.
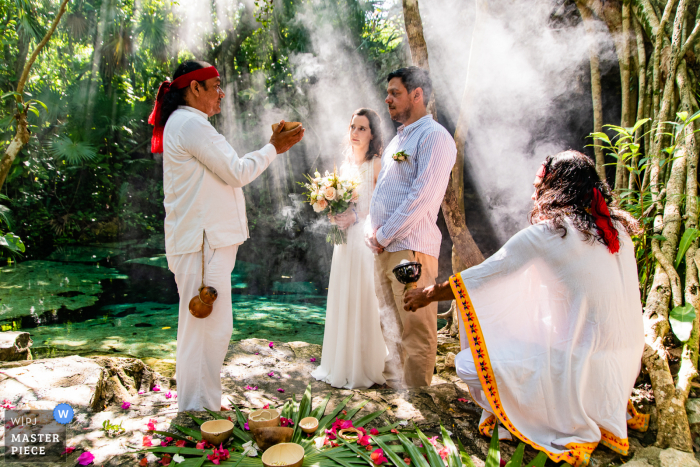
<point>408,194</point>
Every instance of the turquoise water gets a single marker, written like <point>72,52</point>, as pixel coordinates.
<point>121,299</point>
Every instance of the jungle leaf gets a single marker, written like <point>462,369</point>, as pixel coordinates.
<point>517,459</point>
<point>433,456</point>
<point>453,456</point>
<point>493,459</point>
<point>539,460</point>
<point>368,418</point>
<point>74,152</point>
<point>321,408</point>
<point>681,319</point>
<point>689,236</point>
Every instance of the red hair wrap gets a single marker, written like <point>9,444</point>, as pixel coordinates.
<point>181,82</point>
<point>601,214</point>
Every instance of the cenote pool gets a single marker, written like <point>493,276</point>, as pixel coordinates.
<point>121,299</point>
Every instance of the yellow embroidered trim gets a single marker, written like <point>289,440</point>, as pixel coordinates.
<point>639,421</point>
<point>579,454</point>
<point>486,428</point>
<point>619,445</point>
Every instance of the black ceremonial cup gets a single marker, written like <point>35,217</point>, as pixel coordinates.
<point>408,273</point>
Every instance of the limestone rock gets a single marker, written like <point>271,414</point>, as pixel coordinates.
<point>692,407</point>
<point>120,379</point>
<point>306,351</point>
<point>14,345</point>
<point>656,457</point>
<point>450,360</point>
<point>45,383</point>
<point>675,458</point>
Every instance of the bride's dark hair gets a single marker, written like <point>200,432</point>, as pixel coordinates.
<point>376,144</point>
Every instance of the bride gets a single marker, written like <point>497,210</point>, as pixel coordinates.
<point>353,346</point>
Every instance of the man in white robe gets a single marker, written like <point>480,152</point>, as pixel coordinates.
<point>205,215</point>
<point>551,327</point>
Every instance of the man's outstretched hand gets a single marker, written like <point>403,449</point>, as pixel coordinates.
<point>284,140</point>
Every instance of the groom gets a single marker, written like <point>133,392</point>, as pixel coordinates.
<point>416,168</point>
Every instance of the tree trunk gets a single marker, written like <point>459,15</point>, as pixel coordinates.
<point>22,135</point>
<point>623,57</point>
<point>465,252</point>
<point>596,90</point>
<point>452,208</point>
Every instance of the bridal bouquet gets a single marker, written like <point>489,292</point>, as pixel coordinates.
<point>332,195</point>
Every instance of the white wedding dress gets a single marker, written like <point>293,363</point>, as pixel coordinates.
<point>353,346</point>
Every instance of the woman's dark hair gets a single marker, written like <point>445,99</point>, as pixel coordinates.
<point>176,97</point>
<point>566,190</point>
<point>376,144</point>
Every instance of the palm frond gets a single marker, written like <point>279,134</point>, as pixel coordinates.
<point>73,152</point>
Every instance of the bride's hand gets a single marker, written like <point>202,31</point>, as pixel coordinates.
<point>345,219</point>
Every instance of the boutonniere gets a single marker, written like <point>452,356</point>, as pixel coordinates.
<point>400,156</point>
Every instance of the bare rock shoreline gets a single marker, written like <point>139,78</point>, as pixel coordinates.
<point>95,387</point>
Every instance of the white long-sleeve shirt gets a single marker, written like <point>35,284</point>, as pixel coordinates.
<point>202,180</point>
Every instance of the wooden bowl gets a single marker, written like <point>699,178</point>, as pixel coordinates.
<point>310,422</point>
<point>263,418</point>
<point>287,126</point>
<point>216,431</point>
<point>270,436</point>
<point>284,455</point>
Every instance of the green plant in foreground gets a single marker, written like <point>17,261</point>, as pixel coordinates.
<point>112,429</point>
<point>397,446</point>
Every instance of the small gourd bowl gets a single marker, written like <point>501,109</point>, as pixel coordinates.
<point>287,126</point>
<point>309,424</point>
<point>216,431</point>
<point>284,455</point>
<point>270,436</point>
<point>263,418</point>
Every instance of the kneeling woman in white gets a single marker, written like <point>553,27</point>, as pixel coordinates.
<point>204,216</point>
<point>551,328</point>
<point>353,344</point>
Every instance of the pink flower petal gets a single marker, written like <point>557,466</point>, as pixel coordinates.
<point>126,405</point>
<point>312,359</point>
<point>280,390</point>
<point>272,345</point>
<point>69,450</point>
<point>86,458</point>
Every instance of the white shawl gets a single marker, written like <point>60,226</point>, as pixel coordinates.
<point>555,328</point>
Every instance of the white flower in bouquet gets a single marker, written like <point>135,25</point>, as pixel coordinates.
<point>341,192</point>
<point>319,195</point>
<point>329,193</point>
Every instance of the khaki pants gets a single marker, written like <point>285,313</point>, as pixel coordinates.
<point>411,337</point>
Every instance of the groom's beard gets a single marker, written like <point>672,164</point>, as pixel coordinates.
<point>403,116</point>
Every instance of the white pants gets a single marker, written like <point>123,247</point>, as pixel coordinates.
<point>202,343</point>
<point>466,370</point>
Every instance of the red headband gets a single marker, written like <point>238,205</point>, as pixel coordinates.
<point>179,83</point>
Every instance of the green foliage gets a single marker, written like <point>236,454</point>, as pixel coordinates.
<point>112,429</point>
<point>681,319</point>
<point>348,453</point>
<point>87,174</point>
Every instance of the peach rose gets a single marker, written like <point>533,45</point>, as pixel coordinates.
<point>329,193</point>
<point>322,203</point>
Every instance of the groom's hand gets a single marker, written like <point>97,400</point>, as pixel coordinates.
<point>372,243</point>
